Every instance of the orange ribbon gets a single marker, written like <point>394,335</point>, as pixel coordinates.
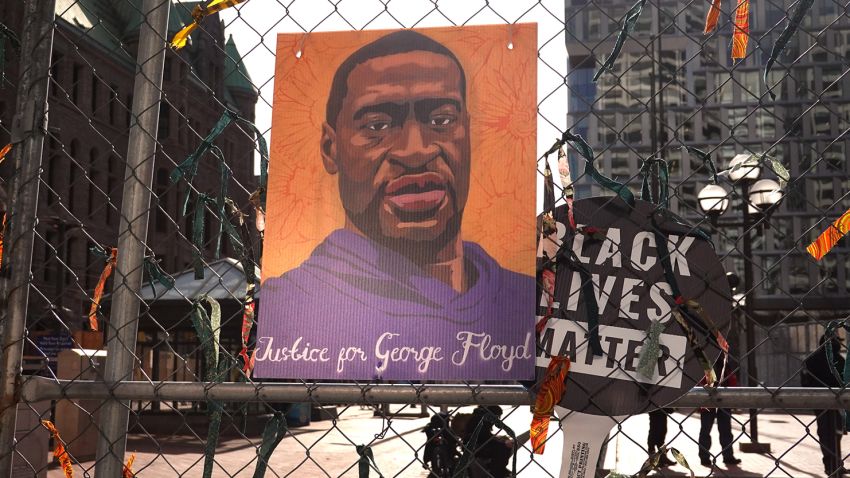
<point>128,468</point>
<point>830,237</point>
<point>741,35</point>
<point>551,392</point>
<point>247,324</point>
<point>59,451</point>
<point>5,151</point>
<point>101,284</point>
<point>712,17</point>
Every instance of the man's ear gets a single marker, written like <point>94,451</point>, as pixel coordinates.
<point>328,147</point>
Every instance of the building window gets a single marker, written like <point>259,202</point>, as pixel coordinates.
<point>52,166</point>
<point>72,180</point>
<point>164,130</point>
<point>113,102</point>
<point>710,125</point>
<point>76,78</point>
<point>94,183</point>
<point>55,73</point>
<point>68,274</point>
<point>95,92</point>
<point>620,166</point>
<point>737,121</point>
<point>166,71</point>
<point>796,196</point>
<point>824,194</point>
<point>161,222</point>
<point>49,256</point>
<point>113,190</point>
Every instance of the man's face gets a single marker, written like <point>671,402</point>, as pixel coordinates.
<point>401,147</point>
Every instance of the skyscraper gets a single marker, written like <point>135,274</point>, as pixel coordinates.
<point>684,89</point>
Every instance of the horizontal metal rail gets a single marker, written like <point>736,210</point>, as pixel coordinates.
<point>36,389</point>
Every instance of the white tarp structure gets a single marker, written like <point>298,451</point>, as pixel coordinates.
<point>223,279</point>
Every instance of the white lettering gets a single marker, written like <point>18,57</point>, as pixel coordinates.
<point>611,249</point>
<point>637,251</point>
<point>678,253</point>
<point>266,352</point>
<point>629,297</point>
<point>661,313</point>
<point>578,245</point>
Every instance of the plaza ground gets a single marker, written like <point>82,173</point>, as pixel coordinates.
<point>322,449</point>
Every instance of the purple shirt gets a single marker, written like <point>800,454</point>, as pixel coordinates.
<point>358,310</point>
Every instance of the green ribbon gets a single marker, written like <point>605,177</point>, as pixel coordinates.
<point>189,167</point>
<point>651,350</point>
<point>706,160</point>
<point>844,377</point>
<point>774,164</point>
<point>198,234</point>
<point>208,328</point>
<point>156,274</point>
<point>590,306</point>
<point>779,169</point>
<point>629,21</point>
<point>584,149</point>
<point>99,252</point>
<point>202,201</point>
<point>794,21</point>
<point>660,196</point>
<point>462,468</point>
<point>273,434</point>
<point>366,461</point>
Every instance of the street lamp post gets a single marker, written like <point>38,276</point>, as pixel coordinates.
<point>757,195</point>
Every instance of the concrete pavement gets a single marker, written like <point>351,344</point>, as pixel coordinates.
<point>322,449</point>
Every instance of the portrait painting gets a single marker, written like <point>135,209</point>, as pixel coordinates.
<point>400,221</point>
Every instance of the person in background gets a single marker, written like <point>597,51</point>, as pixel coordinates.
<point>723,416</point>
<point>817,373</point>
<point>658,435</point>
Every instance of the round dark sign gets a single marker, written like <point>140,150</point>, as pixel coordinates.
<point>614,247</point>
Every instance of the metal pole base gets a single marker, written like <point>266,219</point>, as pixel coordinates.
<point>754,447</point>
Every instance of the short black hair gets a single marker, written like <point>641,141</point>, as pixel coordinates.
<point>402,41</point>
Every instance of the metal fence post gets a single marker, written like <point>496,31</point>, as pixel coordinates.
<point>29,130</point>
<point>122,325</point>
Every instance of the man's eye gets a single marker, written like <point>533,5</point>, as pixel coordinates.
<point>442,120</point>
<point>378,125</point>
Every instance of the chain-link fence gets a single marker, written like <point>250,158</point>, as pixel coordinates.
<point>88,188</point>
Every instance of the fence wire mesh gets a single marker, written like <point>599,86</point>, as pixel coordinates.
<point>672,87</point>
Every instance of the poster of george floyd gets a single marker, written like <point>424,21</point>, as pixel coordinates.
<point>400,228</point>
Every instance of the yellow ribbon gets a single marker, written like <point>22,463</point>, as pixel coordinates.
<point>128,468</point>
<point>182,37</point>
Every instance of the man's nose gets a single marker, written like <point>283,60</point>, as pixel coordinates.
<point>413,149</point>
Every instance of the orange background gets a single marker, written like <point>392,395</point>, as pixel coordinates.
<point>303,204</point>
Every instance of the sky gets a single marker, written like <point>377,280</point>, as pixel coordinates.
<point>254,25</point>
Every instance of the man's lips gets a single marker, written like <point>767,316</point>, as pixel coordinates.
<point>416,192</point>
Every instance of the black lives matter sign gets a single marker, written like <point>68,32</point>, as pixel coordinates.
<point>630,290</point>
